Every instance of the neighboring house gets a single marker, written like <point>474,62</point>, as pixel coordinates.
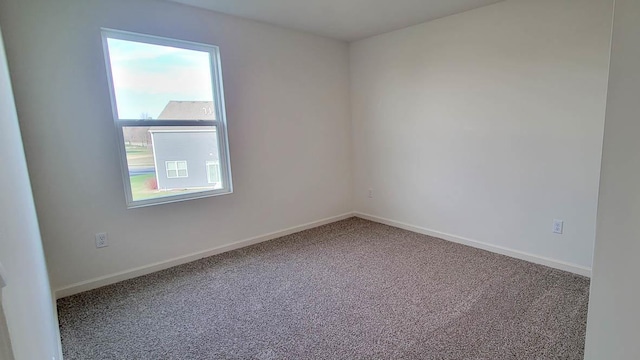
<point>186,158</point>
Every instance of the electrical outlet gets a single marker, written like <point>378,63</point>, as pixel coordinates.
<point>370,193</point>
<point>558,226</point>
<point>102,240</point>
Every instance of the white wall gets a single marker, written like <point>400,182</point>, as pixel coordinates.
<point>487,125</point>
<point>287,97</point>
<point>27,298</point>
<point>613,326</point>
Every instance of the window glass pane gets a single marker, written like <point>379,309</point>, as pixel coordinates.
<point>154,82</point>
<point>162,160</point>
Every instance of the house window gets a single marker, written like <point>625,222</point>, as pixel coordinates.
<point>213,172</point>
<point>167,101</point>
<point>176,169</point>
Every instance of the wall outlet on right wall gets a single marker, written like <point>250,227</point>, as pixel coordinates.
<point>558,226</point>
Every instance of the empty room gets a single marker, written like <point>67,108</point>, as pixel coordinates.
<point>337,179</point>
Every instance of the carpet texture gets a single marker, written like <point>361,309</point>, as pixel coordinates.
<point>348,290</point>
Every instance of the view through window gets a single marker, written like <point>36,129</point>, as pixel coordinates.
<point>168,109</point>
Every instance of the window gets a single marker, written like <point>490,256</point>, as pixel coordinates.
<point>213,172</point>
<point>176,169</point>
<point>167,101</point>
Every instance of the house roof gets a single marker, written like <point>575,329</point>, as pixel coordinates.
<point>188,110</point>
<point>185,110</point>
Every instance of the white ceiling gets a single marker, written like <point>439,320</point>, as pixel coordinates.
<point>341,19</point>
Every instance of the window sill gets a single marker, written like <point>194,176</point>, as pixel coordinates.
<point>177,198</point>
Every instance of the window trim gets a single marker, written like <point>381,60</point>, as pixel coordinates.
<point>220,123</point>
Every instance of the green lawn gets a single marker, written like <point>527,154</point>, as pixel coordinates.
<point>140,188</point>
<point>141,185</point>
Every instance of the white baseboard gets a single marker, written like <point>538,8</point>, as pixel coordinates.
<point>557,264</point>
<point>161,265</point>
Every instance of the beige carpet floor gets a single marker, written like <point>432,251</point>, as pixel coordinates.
<point>349,290</point>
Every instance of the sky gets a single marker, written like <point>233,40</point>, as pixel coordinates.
<point>146,77</point>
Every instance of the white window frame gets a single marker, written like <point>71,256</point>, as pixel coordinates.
<point>216,164</point>
<point>220,123</point>
<point>177,169</point>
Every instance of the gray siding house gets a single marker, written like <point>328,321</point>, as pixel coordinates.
<point>186,157</point>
